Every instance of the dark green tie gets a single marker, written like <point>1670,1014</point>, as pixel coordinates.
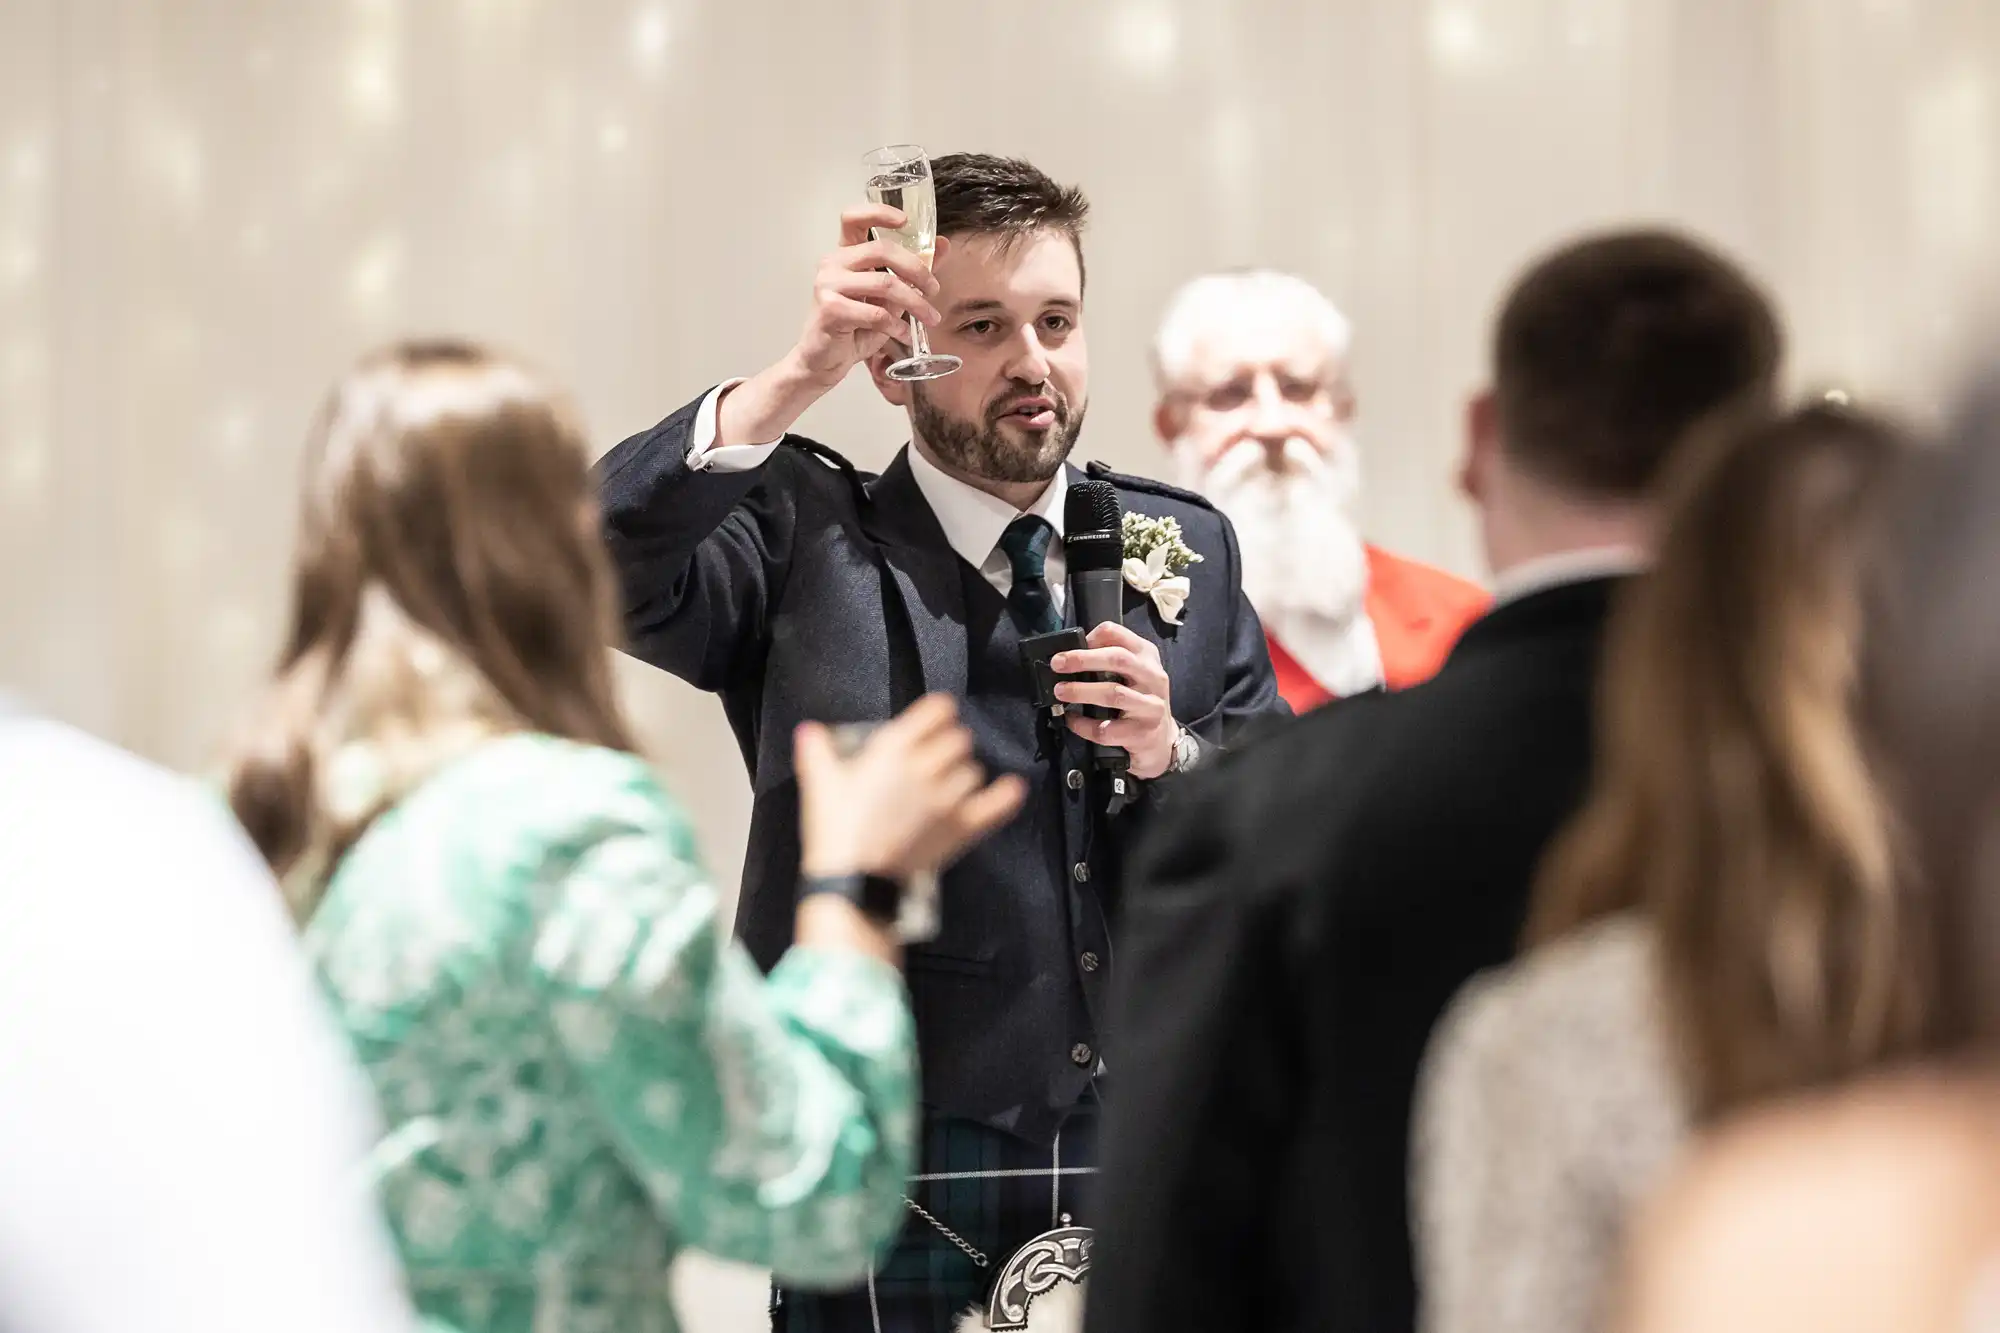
<point>1026,542</point>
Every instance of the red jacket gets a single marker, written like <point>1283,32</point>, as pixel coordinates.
<point>1418,613</point>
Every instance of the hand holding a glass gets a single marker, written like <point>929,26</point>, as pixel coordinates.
<point>867,294</point>
<point>900,799</point>
<point>875,290</point>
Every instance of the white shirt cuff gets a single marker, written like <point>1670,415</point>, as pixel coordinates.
<point>704,455</point>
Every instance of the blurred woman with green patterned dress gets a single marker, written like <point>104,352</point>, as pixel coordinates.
<point>580,1074</point>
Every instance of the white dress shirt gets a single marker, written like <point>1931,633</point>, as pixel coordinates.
<point>1553,571</point>
<point>183,1134</point>
<point>973,521</point>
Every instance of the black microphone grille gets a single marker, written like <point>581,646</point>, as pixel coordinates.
<point>1092,506</point>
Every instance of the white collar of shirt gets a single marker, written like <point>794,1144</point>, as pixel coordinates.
<point>973,522</point>
<point>1553,571</point>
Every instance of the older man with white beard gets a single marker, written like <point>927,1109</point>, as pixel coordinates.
<point>1256,408</point>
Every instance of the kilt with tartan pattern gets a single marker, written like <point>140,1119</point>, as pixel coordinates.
<point>994,1190</point>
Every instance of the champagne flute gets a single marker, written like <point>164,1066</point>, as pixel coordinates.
<point>900,176</point>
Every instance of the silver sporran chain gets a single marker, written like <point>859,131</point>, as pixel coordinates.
<point>970,1251</point>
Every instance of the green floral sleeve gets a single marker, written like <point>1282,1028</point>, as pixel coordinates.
<point>773,1121</point>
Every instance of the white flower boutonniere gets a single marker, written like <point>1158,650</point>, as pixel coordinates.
<point>1155,557</point>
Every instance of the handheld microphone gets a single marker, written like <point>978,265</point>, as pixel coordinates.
<point>1094,547</point>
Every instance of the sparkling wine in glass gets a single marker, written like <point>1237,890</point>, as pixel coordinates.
<point>900,176</point>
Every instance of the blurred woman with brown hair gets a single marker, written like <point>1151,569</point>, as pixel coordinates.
<point>1720,922</point>
<point>1876,1208</point>
<point>507,912</point>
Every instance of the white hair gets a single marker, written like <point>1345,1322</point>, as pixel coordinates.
<point>1219,300</point>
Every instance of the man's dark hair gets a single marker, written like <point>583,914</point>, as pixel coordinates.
<point>1610,349</point>
<point>979,194</point>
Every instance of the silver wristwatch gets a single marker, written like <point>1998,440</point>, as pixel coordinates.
<point>1187,751</point>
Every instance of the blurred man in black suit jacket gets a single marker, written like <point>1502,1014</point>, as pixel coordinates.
<point>1298,926</point>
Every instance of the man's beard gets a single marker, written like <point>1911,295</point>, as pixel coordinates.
<point>984,450</point>
<point>1302,554</point>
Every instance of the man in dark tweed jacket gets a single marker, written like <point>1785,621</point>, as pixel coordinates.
<point>762,566</point>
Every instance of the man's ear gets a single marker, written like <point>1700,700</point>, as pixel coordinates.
<point>1169,420</point>
<point>1482,444</point>
<point>896,393</point>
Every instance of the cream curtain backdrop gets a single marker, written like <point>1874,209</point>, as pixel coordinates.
<point>207,207</point>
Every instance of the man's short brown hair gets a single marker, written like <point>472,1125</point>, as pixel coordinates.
<point>979,194</point>
<point>1609,349</point>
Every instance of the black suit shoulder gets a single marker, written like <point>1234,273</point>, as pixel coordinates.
<point>1201,522</point>
<point>823,463</point>
<point>1262,807</point>
<point>804,470</point>
<point>1279,779</point>
<point>1098,470</point>
<point>1394,792</point>
<point>1501,724</point>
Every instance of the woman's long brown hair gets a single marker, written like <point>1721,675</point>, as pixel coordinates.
<point>1734,801</point>
<point>449,586</point>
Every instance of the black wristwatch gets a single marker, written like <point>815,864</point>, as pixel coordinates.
<point>878,897</point>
